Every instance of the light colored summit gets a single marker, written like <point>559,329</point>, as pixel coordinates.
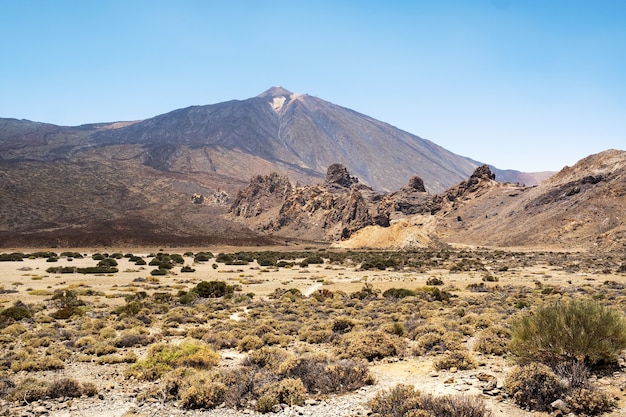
<point>275,92</point>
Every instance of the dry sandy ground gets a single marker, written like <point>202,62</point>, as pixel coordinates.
<point>33,284</point>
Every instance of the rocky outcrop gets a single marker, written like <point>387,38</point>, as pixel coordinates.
<point>332,210</point>
<point>337,174</point>
<point>341,205</point>
<point>263,192</point>
<point>481,177</point>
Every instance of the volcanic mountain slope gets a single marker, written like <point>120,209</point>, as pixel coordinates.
<point>292,134</point>
<point>579,208</point>
<point>299,134</point>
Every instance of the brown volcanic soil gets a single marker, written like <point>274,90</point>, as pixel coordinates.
<point>120,396</point>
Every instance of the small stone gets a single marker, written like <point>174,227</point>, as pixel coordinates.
<point>560,405</point>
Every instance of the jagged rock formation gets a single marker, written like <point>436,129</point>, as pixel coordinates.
<point>263,192</point>
<point>328,211</point>
<point>341,205</point>
<point>579,208</point>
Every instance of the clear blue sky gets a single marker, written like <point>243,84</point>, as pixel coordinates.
<point>521,84</point>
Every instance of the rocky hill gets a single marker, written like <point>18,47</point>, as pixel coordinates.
<point>579,208</point>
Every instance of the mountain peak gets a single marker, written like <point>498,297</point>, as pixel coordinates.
<point>275,92</point>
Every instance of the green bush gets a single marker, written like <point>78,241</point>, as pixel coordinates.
<point>18,312</point>
<point>97,270</point>
<point>398,293</point>
<point>583,331</point>
<point>213,289</point>
<point>164,357</point>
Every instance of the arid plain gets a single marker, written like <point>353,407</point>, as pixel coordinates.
<point>457,295</point>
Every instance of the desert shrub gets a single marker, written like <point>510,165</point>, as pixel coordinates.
<point>10,257</point>
<point>97,270</point>
<point>493,340</point>
<point>456,359</point>
<point>98,256</point>
<point>454,406</point>
<point>398,293</point>
<point>490,278</point>
<point>17,312</point>
<point>164,357</point>
<point>158,272</point>
<point>266,403</point>
<point>396,401</point>
<point>435,343</point>
<point>434,281</point>
<point>203,357</point>
<point>200,390</point>
<point>366,293</point>
<point>583,331</point>
<point>61,270</point>
<point>64,387</point>
<point>343,376</point>
<point>107,333</point>
<point>370,345</point>
<point>433,294</point>
<point>107,262</point>
<point>29,390</point>
<point>287,391</point>
<point>133,338</point>
<point>250,342</point>
<point>14,330</point>
<point>267,357</point>
<point>321,374</point>
<point>315,334</point>
<point>33,363</point>
<point>589,401</point>
<point>67,312</point>
<point>342,325</point>
<point>187,269</point>
<point>313,259</point>
<point>213,289</point>
<point>533,386</point>
<point>265,260</point>
<point>224,258</point>
<point>202,256</point>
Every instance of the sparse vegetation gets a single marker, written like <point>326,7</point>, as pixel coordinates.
<point>577,330</point>
<point>308,333</point>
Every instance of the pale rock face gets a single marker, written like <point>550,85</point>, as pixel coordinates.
<point>277,103</point>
